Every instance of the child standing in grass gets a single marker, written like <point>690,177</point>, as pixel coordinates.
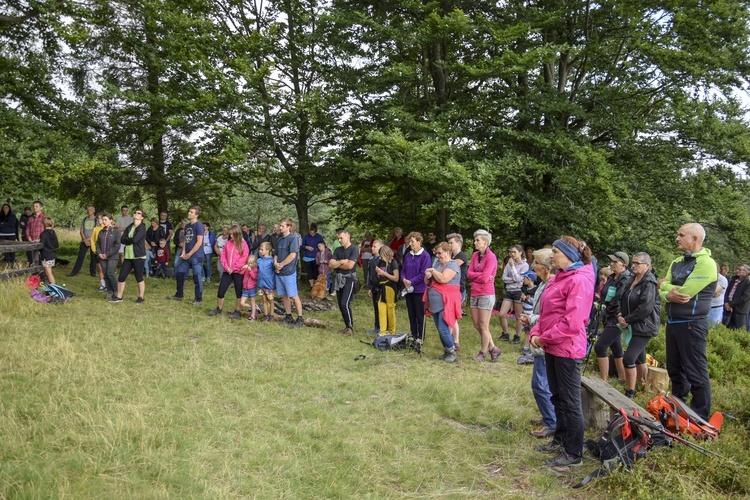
<point>249,285</point>
<point>321,259</point>
<point>387,272</point>
<point>162,259</point>
<point>266,279</point>
<point>48,239</point>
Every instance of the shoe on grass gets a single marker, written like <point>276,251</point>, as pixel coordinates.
<point>495,353</point>
<point>215,312</point>
<point>116,300</point>
<point>299,322</point>
<point>373,332</point>
<point>563,459</point>
<point>553,446</point>
<point>174,297</point>
<point>481,357</point>
<point>347,332</point>
<point>235,314</point>
<point>543,432</point>
<point>288,319</point>
<point>102,288</point>
<point>196,302</point>
<point>516,339</point>
<point>139,301</point>
<point>505,337</point>
<point>450,356</point>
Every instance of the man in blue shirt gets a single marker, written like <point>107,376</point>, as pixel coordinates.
<point>285,264</point>
<point>192,257</point>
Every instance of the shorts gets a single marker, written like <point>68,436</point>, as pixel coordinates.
<point>486,302</point>
<point>286,285</point>
<point>514,296</point>
<point>49,263</point>
<point>265,291</point>
<point>248,293</point>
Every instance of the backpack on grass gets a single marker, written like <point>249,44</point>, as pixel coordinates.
<point>59,293</point>
<point>679,418</point>
<point>623,442</point>
<point>390,342</point>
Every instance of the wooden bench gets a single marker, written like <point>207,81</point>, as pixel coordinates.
<point>601,401</point>
<point>21,246</point>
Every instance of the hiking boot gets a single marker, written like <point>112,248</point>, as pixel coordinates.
<point>288,319</point>
<point>450,356</point>
<point>481,357</point>
<point>564,460</point>
<point>526,359</point>
<point>174,297</point>
<point>215,312</point>
<point>552,447</point>
<point>505,337</point>
<point>543,432</point>
<point>116,300</point>
<point>516,339</point>
<point>139,301</point>
<point>347,332</point>
<point>630,393</point>
<point>196,302</point>
<point>235,314</point>
<point>495,353</point>
<point>299,322</point>
<point>373,332</point>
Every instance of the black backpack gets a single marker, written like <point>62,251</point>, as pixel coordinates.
<point>390,342</point>
<point>623,442</point>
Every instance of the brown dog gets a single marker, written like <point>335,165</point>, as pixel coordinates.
<point>320,288</point>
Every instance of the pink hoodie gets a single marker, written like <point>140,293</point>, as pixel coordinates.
<point>233,259</point>
<point>564,312</point>
<point>482,274</point>
<point>250,280</point>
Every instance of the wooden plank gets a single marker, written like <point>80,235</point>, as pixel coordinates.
<point>612,397</point>
<point>20,272</point>
<point>19,246</point>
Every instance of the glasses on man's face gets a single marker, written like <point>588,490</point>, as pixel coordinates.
<point>638,263</point>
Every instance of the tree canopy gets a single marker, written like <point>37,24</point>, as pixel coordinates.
<point>613,121</point>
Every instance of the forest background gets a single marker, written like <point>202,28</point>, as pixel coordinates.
<point>614,121</point>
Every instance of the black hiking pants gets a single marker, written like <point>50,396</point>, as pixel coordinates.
<point>687,363</point>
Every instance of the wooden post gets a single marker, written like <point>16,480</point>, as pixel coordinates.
<point>595,411</point>
<point>657,380</point>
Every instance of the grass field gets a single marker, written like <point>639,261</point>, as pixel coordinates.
<point>159,400</point>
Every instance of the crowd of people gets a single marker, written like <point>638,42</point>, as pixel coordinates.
<point>553,293</point>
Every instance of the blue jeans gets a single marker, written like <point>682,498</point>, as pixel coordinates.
<point>207,265</point>
<point>444,330</point>
<point>540,388</point>
<point>149,259</point>
<point>181,272</point>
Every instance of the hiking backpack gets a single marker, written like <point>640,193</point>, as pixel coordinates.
<point>679,418</point>
<point>623,442</point>
<point>59,293</point>
<point>390,342</point>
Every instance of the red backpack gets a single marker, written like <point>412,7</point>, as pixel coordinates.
<point>677,417</point>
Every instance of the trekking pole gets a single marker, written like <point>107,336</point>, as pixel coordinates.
<point>693,446</point>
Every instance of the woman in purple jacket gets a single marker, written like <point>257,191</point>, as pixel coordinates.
<point>561,330</point>
<point>416,262</point>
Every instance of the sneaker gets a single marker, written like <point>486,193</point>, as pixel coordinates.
<point>516,339</point>
<point>495,353</point>
<point>288,319</point>
<point>552,447</point>
<point>505,337</point>
<point>251,318</point>
<point>174,297</point>
<point>347,332</point>
<point>299,322</point>
<point>196,302</point>
<point>450,356</point>
<point>630,393</point>
<point>564,460</point>
<point>102,288</point>
<point>235,314</point>
<point>526,359</point>
<point>481,357</point>
<point>139,301</point>
<point>543,432</point>
<point>215,312</point>
<point>115,300</point>
<point>373,332</point>
<point>268,318</point>
<point>526,350</point>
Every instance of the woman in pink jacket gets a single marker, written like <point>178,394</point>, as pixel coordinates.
<point>561,330</point>
<point>481,273</point>
<point>233,257</point>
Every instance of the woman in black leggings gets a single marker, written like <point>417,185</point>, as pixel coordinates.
<point>233,257</point>
<point>640,307</point>
<point>134,239</point>
<point>611,335</point>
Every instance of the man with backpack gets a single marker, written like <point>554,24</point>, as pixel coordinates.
<point>687,291</point>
